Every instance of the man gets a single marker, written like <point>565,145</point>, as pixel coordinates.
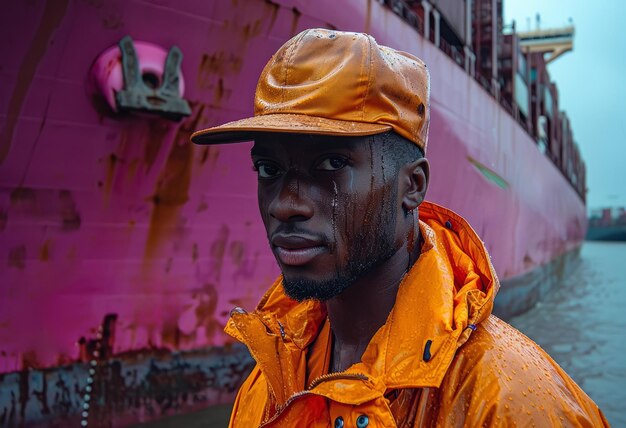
<point>382,314</point>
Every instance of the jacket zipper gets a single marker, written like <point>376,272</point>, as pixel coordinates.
<point>314,383</point>
<point>328,376</point>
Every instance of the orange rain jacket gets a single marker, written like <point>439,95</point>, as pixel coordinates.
<point>440,359</point>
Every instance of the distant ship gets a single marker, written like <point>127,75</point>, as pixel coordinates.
<point>607,224</point>
<point>125,247</point>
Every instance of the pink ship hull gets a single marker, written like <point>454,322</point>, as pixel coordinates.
<point>111,214</point>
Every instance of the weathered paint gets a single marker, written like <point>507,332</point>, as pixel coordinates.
<point>109,214</point>
<point>131,387</point>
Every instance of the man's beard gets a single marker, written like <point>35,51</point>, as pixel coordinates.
<point>304,289</point>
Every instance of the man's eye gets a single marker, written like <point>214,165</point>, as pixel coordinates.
<point>332,163</point>
<point>267,170</point>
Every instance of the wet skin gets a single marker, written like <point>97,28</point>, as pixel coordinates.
<point>341,219</point>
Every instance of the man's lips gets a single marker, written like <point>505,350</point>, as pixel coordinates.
<point>296,250</point>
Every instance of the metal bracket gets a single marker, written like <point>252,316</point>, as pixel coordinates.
<point>137,95</point>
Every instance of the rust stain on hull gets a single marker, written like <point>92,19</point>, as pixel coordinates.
<point>218,250</point>
<point>220,63</point>
<point>46,205</point>
<point>142,143</point>
<point>153,141</point>
<point>70,217</point>
<point>172,188</point>
<point>4,217</point>
<point>274,8</point>
<point>17,257</point>
<point>44,252</point>
<point>128,388</point>
<point>295,20</point>
<point>209,156</point>
<point>112,161</point>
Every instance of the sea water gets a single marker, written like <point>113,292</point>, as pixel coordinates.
<point>581,323</point>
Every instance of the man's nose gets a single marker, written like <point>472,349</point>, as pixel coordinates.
<point>291,203</point>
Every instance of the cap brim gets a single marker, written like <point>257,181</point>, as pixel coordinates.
<point>250,128</point>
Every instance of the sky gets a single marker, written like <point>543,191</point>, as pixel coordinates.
<point>592,85</point>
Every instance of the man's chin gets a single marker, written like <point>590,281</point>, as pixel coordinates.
<point>301,289</point>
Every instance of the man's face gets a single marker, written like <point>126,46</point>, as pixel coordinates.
<point>330,207</point>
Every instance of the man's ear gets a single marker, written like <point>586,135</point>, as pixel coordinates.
<point>414,178</point>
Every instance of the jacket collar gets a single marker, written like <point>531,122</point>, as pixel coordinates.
<point>448,291</point>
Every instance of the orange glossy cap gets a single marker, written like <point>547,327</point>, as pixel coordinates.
<point>335,83</point>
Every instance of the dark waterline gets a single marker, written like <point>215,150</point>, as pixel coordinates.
<point>582,325</point>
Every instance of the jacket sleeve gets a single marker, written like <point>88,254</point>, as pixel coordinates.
<point>249,407</point>
<point>500,378</point>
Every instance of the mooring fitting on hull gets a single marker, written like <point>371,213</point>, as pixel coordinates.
<point>141,77</point>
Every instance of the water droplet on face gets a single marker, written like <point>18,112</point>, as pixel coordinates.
<point>334,213</point>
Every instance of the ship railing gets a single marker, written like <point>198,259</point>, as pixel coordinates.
<point>453,52</point>
<point>405,10</point>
